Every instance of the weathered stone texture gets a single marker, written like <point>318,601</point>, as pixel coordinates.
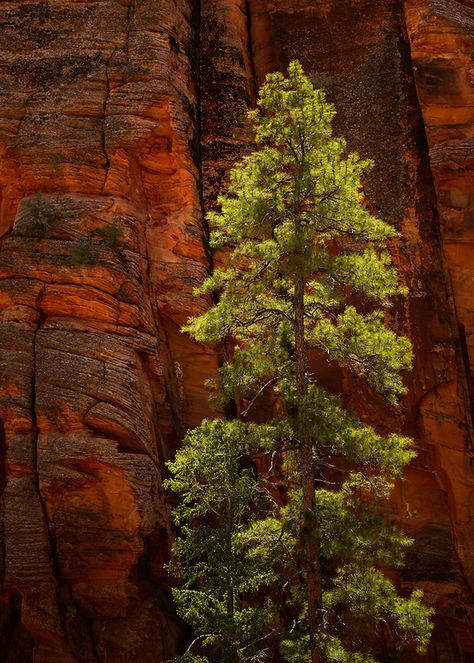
<point>119,121</point>
<point>101,248</point>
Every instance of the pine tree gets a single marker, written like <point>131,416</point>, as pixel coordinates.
<point>306,277</point>
<point>222,553</point>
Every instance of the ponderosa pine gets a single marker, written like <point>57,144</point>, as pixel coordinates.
<point>306,277</point>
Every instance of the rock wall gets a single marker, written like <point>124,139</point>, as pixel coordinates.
<point>118,124</point>
<point>101,247</point>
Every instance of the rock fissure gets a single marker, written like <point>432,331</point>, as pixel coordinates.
<point>47,524</point>
<point>198,135</point>
<point>103,136</point>
<point>248,17</point>
<point>61,585</point>
<point>468,372</point>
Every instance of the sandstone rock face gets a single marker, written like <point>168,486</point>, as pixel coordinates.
<point>101,247</point>
<point>118,124</point>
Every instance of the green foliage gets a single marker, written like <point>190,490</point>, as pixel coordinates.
<point>223,520</point>
<point>374,599</point>
<point>58,158</point>
<point>305,274</point>
<point>40,216</point>
<point>112,233</point>
<point>83,253</point>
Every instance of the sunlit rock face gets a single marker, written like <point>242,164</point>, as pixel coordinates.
<point>119,122</point>
<point>101,248</point>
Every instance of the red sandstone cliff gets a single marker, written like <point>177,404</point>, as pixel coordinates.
<point>118,123</point>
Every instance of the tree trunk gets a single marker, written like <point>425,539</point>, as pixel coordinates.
<point>310,524</point>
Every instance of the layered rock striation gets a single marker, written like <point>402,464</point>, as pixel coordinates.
<point>101,248</point>
<point>119,122</point>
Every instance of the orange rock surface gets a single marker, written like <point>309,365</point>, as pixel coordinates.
<point>118,124</point>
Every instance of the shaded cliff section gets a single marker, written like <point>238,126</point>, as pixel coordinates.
<point>119,122</point>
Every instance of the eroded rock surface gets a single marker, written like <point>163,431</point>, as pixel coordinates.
<point>101,248</point>
<point>119,121</point>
